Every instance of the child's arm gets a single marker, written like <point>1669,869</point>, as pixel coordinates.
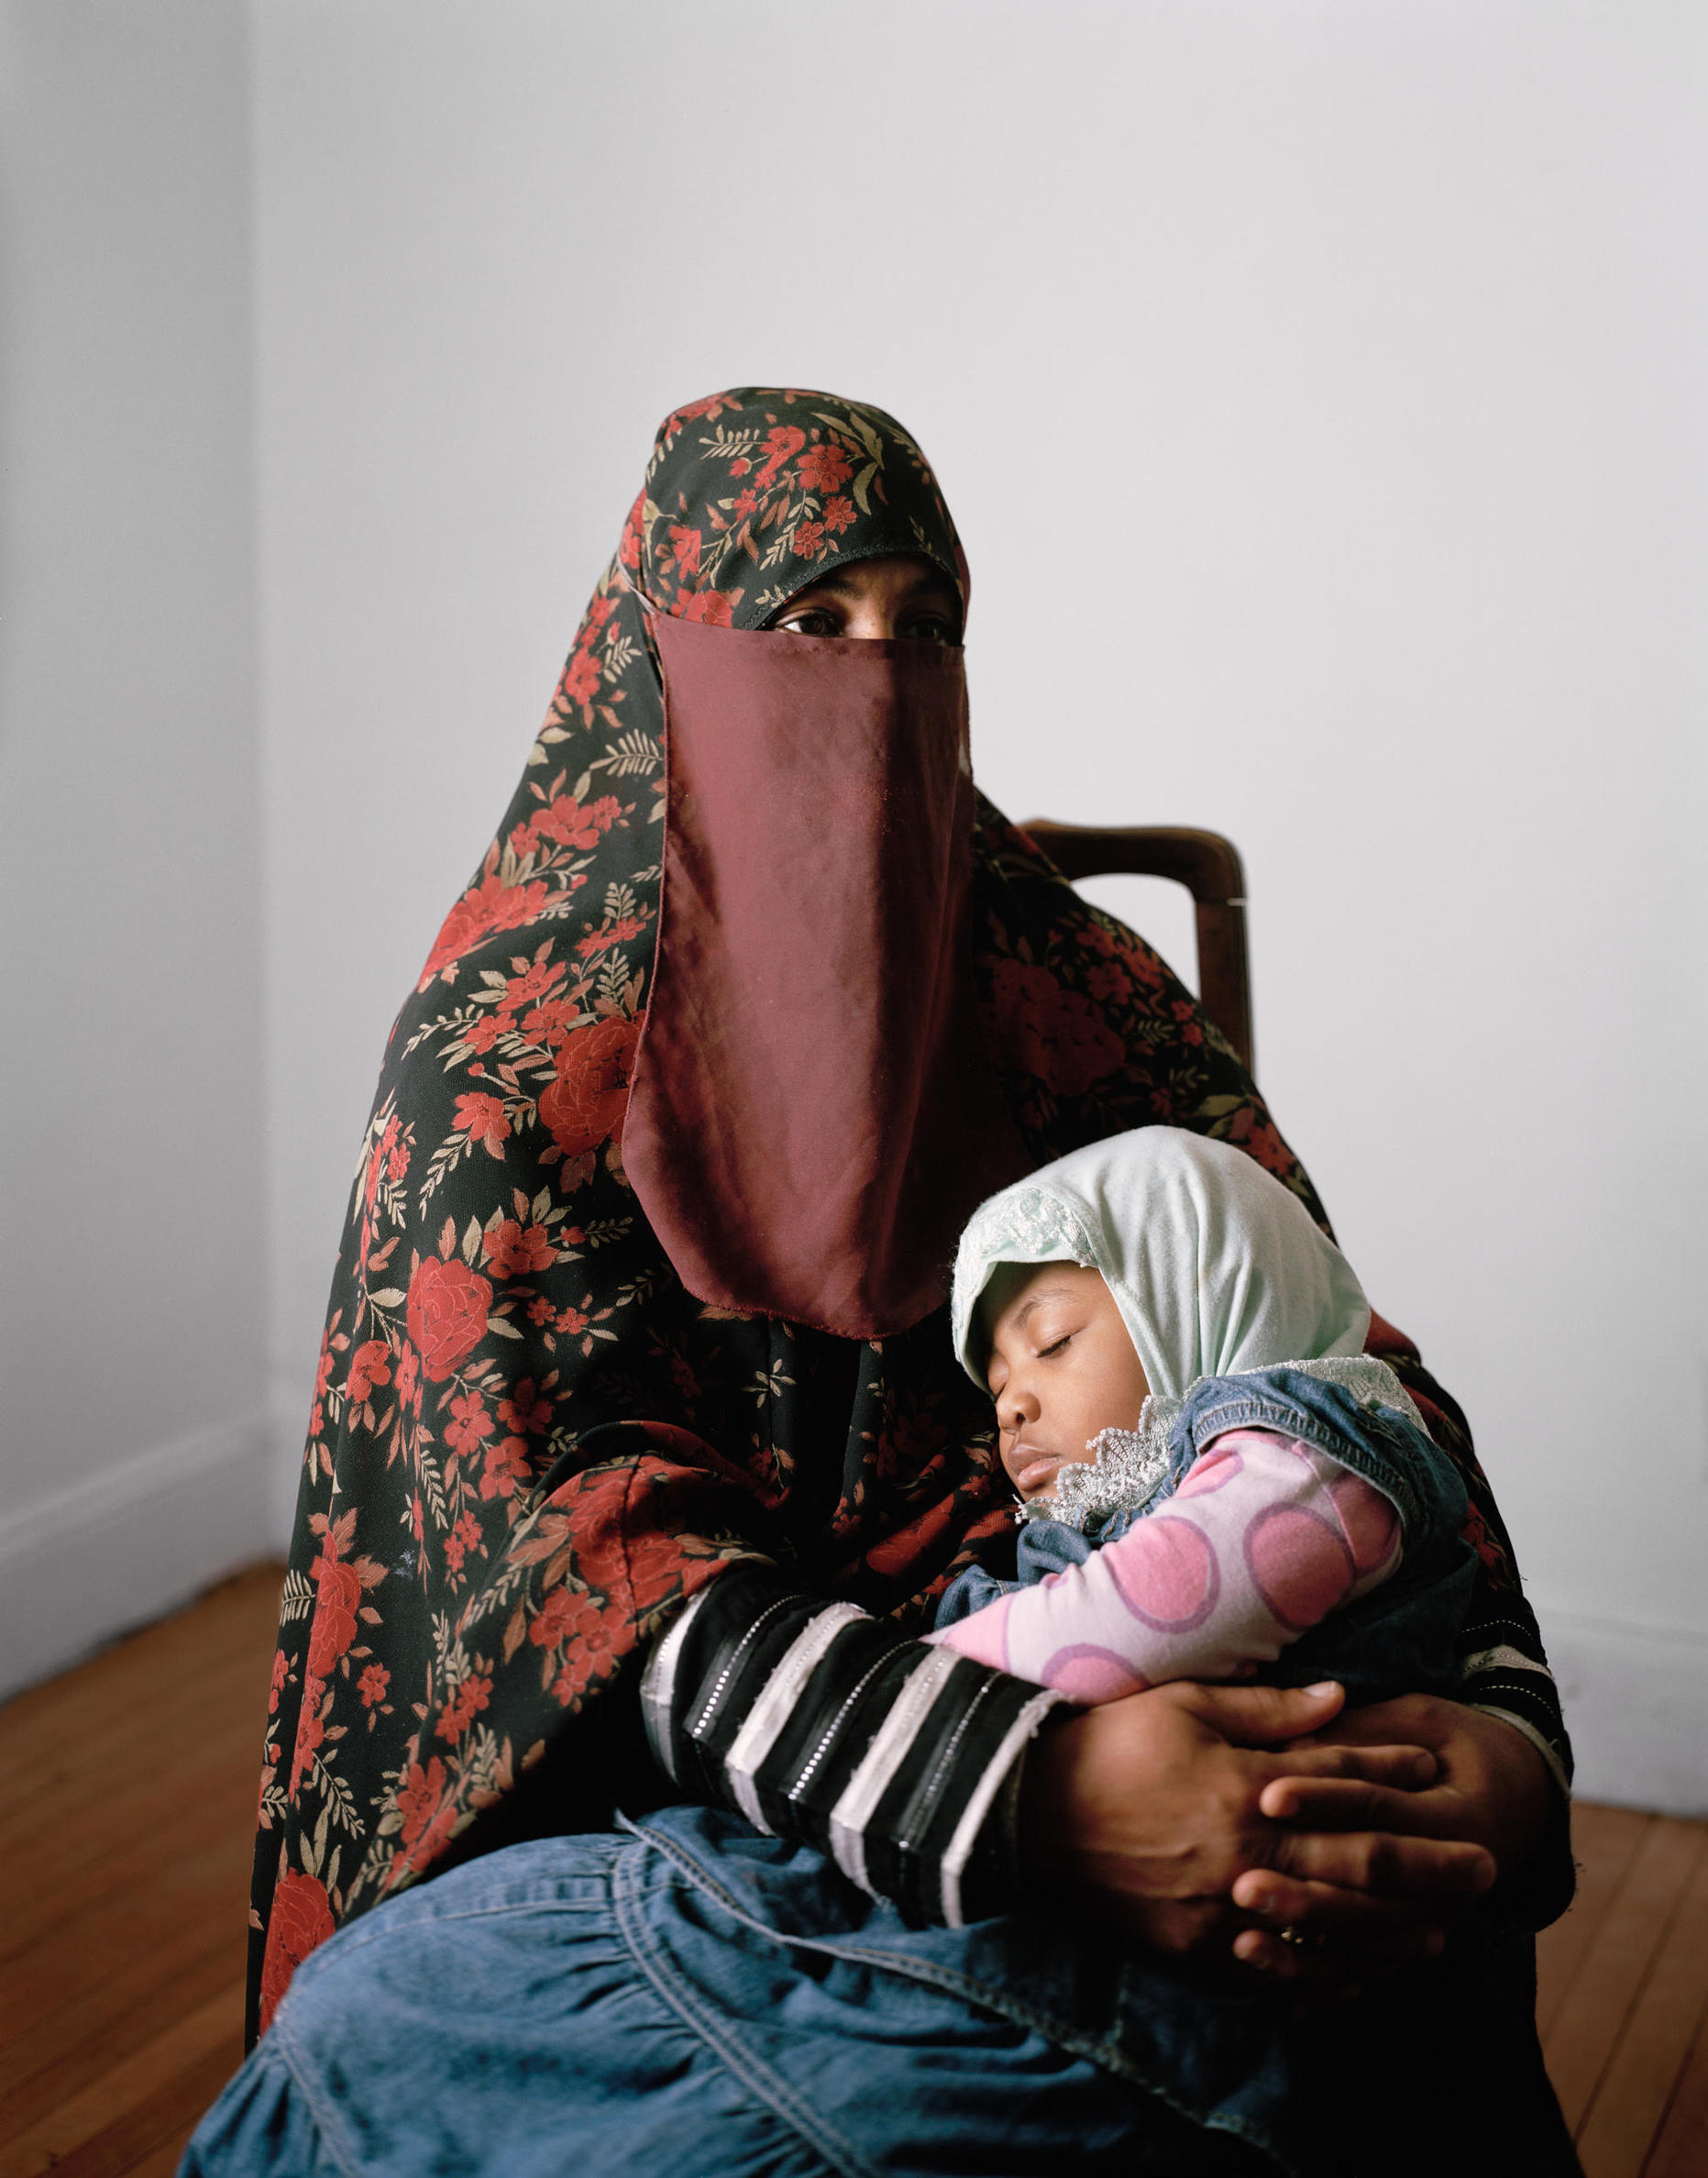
<point>1263,1537</point>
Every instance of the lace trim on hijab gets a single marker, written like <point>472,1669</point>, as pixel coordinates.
<point>1131,1464</point>
<point>1026,1225</point>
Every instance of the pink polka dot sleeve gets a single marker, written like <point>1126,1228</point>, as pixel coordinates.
<point>1264,1537</point>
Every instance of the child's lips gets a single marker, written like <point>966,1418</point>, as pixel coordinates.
<point>1032,1467</point>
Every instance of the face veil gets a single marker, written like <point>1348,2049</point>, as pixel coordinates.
<point>564,1379</point>
<point>812,1115</point>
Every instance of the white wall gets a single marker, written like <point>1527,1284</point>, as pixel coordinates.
<point>1318,388</point>
<point>132,1159</point>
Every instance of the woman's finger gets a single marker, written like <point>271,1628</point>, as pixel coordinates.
<point>1407,1769</point>
<point>1323,1912</point>
<point>1262,1715</point>
<point>1334,1971</point>
<point>1313,1973</point>
<point>1364,1800</point>
<point>1382,1864</point>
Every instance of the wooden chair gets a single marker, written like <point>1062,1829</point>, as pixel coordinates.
<point>1209,867</point>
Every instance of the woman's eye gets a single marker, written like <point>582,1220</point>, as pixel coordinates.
<point>816,623</point>
<point>1055,1346</point>
<point>931,627</point>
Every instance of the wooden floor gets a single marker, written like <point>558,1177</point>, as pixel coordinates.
<point>126,1799</point>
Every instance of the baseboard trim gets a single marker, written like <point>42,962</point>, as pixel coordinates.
<point>123,1546</point>
<point>1636,1707</point>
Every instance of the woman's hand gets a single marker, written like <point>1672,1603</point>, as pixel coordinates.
<point>1492,1788</point>
<point>1148,1811</point>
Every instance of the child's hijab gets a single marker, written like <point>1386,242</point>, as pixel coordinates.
<point>1215,1267</point>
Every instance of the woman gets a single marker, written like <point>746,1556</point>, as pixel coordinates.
<point>637,1333</point>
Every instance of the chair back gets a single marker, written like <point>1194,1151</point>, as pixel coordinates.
<point>1208,866</point>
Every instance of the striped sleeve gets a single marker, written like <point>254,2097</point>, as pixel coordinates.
<point>817,1722</point>
<point>1503,1669</point>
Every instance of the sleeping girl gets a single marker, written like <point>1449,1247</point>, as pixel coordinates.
<point>1216,1481</point>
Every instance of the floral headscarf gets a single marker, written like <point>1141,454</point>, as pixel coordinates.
<point>528,1442</point>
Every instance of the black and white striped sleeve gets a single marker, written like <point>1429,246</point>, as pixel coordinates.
<point>1503,1669</point>
<point>817,1722</point>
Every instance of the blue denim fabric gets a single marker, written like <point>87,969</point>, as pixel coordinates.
<point>610,2007</point>
<point>1400,1639</point>
<point>695,1998</point>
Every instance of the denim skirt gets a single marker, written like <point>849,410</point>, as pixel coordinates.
<point>689,1996</point>
<point>590,2007</point>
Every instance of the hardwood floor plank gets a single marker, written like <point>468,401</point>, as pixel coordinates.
<point>1681,2149</point>
<point>1590,2021</point>
<point>1602,1842</point>
<point>184,1774</point>
<point>59,1761</point>
<point>206,1885</point>
<point>36,1725</point>
<point>1627,2111</point>
<point>152,2136</point>
<point>207,2044</point>
<point>216,1711</point>
<point>164,2163</point>
<point>120,2014</point>
<point>204,1840</point>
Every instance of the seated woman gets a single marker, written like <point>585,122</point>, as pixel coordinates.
<point>642,1300</point>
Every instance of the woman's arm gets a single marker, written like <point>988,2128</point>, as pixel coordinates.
<point>1503,1666</point>
<point>815,1721</point>
<point>910,1767</point>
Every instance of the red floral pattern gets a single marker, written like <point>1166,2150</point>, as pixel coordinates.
<point>584,1105</point>
<point>300,1923</point>
<point>448,1307</point>
<point>527,1442</point>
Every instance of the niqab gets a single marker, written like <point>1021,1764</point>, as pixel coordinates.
<point>813,1113</point>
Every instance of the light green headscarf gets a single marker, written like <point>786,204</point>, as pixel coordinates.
<point>1215,1268</point>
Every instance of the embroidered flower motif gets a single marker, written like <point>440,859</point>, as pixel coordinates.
<point>589,1092</point>
<point>448,1304</point>
<point>1049,1031</point>
<point>300,1923</point>
<point>822,468</point>
<point>492,905</point>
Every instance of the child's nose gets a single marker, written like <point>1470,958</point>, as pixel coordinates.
<point>1017,1406</point>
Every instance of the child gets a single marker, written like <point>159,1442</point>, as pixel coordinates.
<point>1216,1481</point>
